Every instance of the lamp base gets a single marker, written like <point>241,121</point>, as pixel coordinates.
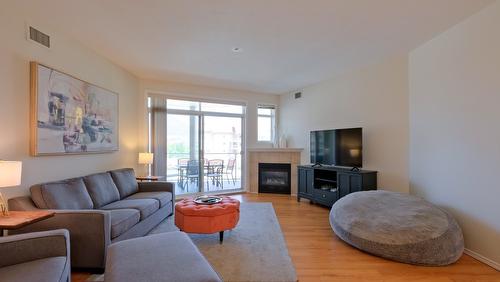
<point>3,206</point>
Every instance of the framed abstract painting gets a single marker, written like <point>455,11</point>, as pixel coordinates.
<point>70,116</point>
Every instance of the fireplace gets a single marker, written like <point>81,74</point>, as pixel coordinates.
<point>274,178</point>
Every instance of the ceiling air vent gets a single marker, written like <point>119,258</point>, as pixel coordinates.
<point>298,95</point>
<point>39,37</point>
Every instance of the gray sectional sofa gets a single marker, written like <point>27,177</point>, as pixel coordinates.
<point>98,210</point>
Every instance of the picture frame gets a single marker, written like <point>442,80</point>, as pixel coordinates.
<point>70,116</point>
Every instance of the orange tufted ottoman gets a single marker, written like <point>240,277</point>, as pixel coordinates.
<point>206,219</point>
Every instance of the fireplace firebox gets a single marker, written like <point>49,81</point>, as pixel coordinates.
<point>274,178</point>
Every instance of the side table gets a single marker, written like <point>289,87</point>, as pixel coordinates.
<point>18,219</point>
<point>148,178</point>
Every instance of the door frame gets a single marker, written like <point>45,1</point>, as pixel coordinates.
<point>201,115</point>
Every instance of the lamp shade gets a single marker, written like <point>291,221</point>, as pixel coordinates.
<point>145,158</point>
<point>354,152</point>
<point>10,173</point>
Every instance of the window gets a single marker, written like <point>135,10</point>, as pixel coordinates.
<point>197,144</point>
<point>197,106</point>
<point>266,123</point>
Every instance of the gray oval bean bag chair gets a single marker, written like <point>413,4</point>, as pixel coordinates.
<point>397,226</point>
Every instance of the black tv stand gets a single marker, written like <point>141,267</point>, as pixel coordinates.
<point>326,184</point>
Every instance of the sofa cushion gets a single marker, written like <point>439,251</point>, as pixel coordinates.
<point>162,197</point>
<point>102,189</point>
<point>125,181</point>
<point>46,269</point>
<point>122,220</point>
<point>153,258</point>
<point>69,194</point>
<point>145,206</point>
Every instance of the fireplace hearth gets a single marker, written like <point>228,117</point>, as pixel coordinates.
<point>274,178</point>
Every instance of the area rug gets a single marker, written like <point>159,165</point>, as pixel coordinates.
<point>253,251</point>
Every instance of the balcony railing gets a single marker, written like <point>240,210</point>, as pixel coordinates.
<point>173,161</point>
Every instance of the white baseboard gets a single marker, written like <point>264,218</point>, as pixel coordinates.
<point>483,259</point>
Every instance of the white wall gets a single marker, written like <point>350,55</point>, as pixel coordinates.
<point>252,99</point>
<point>454,125</point>
<point>71,57</point>
<point>375,98</point>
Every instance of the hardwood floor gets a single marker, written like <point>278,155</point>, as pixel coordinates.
<point>318,255</point>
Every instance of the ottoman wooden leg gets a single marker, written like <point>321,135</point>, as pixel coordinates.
<point>221,236</point>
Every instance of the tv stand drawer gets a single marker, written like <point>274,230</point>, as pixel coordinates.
<point>325,196</point>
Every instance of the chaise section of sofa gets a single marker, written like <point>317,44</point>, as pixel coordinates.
<point>98,210</point>
<point>145,259</point>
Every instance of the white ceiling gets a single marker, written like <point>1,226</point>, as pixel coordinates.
<point>287,44</point>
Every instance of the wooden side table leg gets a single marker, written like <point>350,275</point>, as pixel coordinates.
<point>221,236</point>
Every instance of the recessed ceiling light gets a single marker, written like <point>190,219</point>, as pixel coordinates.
<point>237,50</point>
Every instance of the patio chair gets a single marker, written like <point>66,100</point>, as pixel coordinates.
<point>230,170</point>
<point>181,167</point>
<point>192,173</point>
<point>215,171</point>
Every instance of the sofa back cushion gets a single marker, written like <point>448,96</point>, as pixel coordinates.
<point>69,194</point>
<point>125,181</point>
<point>102,189</point>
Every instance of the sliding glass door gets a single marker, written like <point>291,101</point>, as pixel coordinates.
<point>183,152</point>
<point>222,150</point>
<point>201,148</point>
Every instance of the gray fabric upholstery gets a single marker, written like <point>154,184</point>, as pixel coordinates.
<point>158,186</point>
<point>92,230</point>
<point>40,270</point>
<point>122,220</point>
<point>69,194</point>
<point>151,259</point>
<point>145,206</point>
<point>23,203</point>
<point>102,189</point>
<point>125,181</point>
<point>144,226</point>
<point>39,256</point>
<point>397,226</point>
<point>162,197</point>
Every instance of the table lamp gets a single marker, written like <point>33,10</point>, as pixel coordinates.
<point>354,153</point>
<point>146,159</point>
<point>10,176</point>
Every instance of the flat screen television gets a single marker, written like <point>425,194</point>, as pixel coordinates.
<point>340,147</point>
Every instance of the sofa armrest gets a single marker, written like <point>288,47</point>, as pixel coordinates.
<point>90,231</point>
<point>157,186</point>
<point>32,246</point>
<point>22,204</point>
